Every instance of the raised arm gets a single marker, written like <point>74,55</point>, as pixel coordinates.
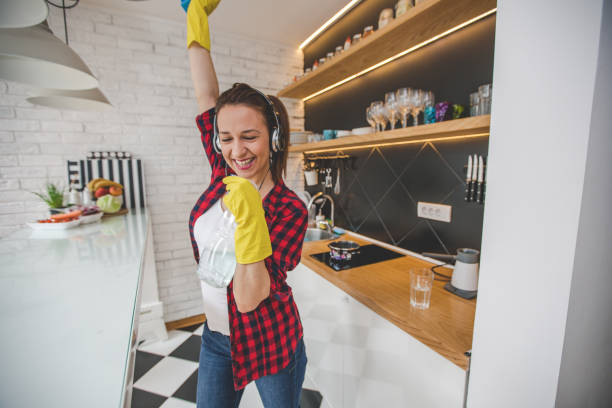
<point>205,83</point>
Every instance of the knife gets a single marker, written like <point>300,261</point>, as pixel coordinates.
<point>472,191</point>
<point>468,179</point>
<point>480,180</point>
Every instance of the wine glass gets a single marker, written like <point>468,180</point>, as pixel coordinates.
<point>392,107</point>
<point>379,112</point>
<point>404,104</point>
<point>417,104</point>
<point>370,117</point>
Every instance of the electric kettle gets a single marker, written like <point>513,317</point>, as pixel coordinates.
<point>464,281</point>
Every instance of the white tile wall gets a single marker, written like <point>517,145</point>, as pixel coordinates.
<point>142,67</point>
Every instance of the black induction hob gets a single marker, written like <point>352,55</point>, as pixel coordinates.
<point>368,254</point>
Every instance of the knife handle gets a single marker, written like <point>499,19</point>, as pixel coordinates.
<point>479,193</point>
<point>468,186</point>
<point>470,193</point>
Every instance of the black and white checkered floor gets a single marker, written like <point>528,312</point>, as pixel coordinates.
<point>166,374</point>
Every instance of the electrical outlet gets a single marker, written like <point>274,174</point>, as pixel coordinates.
<point>438,212</point>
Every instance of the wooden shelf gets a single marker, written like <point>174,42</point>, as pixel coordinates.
<point>417,25</point>
<point>477,125</point>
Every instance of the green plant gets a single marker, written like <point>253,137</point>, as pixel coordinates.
<point>54,197</point>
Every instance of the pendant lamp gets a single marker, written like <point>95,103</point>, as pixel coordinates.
<point>81,100</point>
<point>22,13</point>
<point>35,56</point>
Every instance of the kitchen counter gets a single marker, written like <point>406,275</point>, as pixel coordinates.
<point>446,327</point>
<point>68,304</point>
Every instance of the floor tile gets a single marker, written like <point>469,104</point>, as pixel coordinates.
<point>144,362</point>
<point>191,328</point>
<point>310,398</point>
<point>188,390</point>
<point>199,330</point>
<point>250,397</point>
<point>167,376</point>
<point>144,399</point>
<point>163,348</point>
<point>177,403</point>
<point>189,350</point>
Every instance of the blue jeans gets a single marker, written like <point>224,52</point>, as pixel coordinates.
<point>216,381</point>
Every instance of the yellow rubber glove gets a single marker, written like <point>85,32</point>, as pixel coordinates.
<point>197,21</point>
<point>252,238</point>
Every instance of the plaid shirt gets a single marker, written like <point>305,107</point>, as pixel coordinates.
<point>263,340</point>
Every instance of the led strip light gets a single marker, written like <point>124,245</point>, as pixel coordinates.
<point>329,22</point>
<point>437,139</point>
<point>401,54</point>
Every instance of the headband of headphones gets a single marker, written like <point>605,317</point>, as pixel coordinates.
<point>276,144</point>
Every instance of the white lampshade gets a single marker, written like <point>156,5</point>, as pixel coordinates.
<point>82,100</point>
<point>35,56</point>
<point>22,13</point>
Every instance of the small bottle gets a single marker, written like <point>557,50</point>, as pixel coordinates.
<point>218,262</point>
<point>367,31</point>
<point>315,65</point>
<point>74,197</point>
<point>347,43</point>
<point>356,38</point>
<point>338,51</point>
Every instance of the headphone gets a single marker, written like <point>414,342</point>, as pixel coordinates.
<point>276,144</point>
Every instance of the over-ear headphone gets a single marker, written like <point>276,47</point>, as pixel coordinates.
<point>276,144</point>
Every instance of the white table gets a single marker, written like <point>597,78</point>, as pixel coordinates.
<point>68,314</point>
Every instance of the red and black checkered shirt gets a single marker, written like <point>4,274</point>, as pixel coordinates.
<point>263,340</point>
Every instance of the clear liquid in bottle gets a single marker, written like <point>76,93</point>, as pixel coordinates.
<point>218,261</point>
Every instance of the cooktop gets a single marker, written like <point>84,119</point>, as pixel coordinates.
<point>368,254</point>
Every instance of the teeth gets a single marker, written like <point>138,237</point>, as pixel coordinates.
<point>244,162</point>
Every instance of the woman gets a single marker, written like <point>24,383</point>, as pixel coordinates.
<point>253,330</point>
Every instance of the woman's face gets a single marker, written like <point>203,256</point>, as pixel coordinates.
<point>244,141</point>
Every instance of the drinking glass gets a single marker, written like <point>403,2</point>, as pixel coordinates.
<point>370,117</point>
<point>403,103</point>
<point>421,282</point>
<point>391,105</point>
<point>417,104</point>
<point>484,93</point>
<point>379,112</point>
<point>474,104</point>
<point>429,101</point>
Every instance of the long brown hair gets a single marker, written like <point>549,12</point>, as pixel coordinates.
<point>243,94</point>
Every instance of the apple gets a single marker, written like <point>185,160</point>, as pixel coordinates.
<point>116,191</point>
<point>102,191</point>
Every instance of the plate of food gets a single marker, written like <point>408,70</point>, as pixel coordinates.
<point>57,222</point>
<point>91,214</point>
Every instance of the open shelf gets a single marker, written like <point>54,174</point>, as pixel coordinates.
<point>421,23</point>
<point>472,126</point>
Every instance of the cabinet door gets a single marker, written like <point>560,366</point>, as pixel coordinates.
<point>358,359</point>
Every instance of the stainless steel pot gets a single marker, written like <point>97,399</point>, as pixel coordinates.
<point>343,250</point>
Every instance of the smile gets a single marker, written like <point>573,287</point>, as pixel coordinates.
<point>244,164</point>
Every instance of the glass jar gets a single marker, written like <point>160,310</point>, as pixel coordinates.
<point>402,6</point>
<point>367,31</point>
<point>329,56</point>
<point>385,17</point>
<point>339,50</point>
<point>356,38</point>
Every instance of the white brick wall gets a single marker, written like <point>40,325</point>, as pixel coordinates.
<point>141,64</point>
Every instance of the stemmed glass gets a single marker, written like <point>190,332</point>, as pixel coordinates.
<point>392,107</point>
<point>403,103</point>
<point>417,104</point>
<point>379,113</point>
<point>370,117</point>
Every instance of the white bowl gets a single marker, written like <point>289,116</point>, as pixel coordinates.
<point>363,131</point>
<point>88,219</point>
<point>343,133</point>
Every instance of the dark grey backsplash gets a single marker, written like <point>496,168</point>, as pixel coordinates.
<point>379,194</point>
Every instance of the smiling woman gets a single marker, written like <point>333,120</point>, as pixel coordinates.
<point>253,330</point>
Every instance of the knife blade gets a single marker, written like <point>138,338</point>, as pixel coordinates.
<point>468,179</point>
<point>472,192</point>
<point>480,180</point>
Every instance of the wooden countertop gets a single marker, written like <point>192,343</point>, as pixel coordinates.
<point>446,327</point>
